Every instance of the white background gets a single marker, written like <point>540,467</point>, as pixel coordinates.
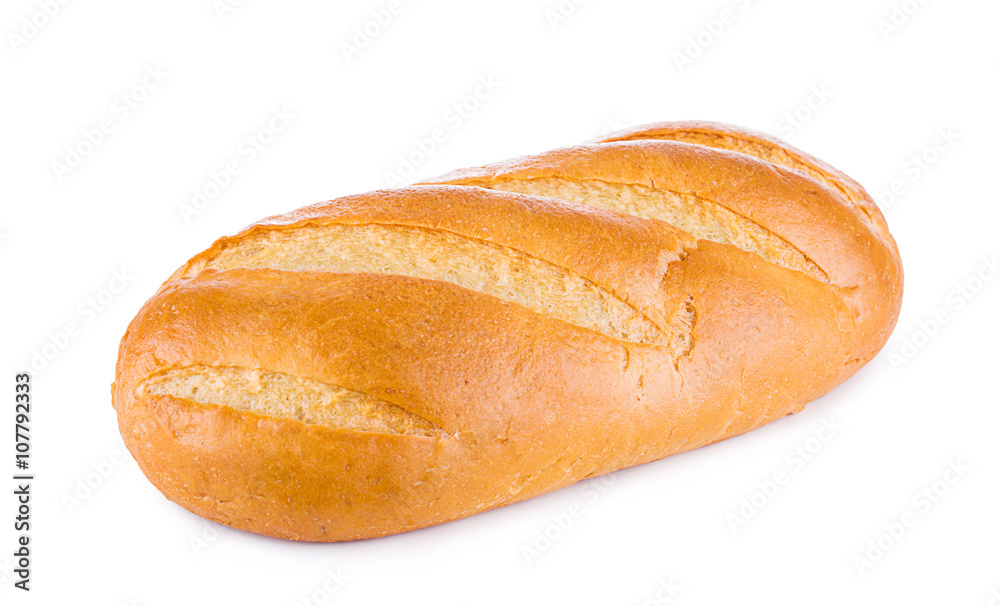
<point>868,100</point>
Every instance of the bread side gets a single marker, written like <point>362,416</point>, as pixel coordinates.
<point>324,400</point>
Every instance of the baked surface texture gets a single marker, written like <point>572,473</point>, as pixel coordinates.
<point>730,185</point>
<point>397,359</point>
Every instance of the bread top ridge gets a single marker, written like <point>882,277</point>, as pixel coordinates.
<point>765,147</point>
<point>782,214</point>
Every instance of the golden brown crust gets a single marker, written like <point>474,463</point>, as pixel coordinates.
<point>502,382</point>
<point>535,226</point>
<point>763,146</point>
<point>521,402</point>
<point>813,218</point>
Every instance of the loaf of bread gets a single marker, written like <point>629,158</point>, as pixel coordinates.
<point>402,358</point>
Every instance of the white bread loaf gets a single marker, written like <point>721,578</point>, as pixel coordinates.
<point>402,358</point>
